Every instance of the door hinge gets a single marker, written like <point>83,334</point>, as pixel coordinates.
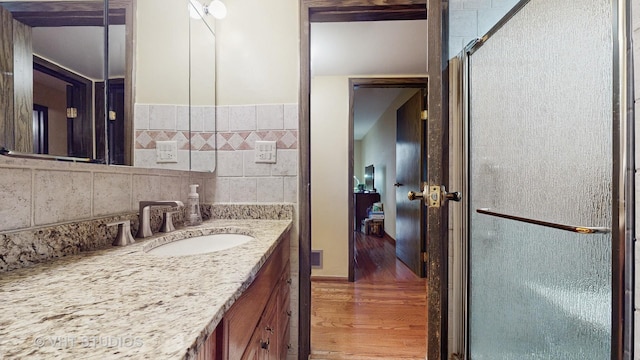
<point>424,115</point>
<point>425,257</point>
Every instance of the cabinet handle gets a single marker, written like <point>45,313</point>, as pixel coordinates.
<point>269,329</point>
<point>264,344</point>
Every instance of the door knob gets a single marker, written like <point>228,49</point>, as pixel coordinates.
<point>419,195</point>
<point>435,196</point>
<point>397,184</point>
<point>414,195</point>
<point>453,196</point>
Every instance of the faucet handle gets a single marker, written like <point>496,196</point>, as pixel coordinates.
<point>124,233</point>
<point>167,221</point>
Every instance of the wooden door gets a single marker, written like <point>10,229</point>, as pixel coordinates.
<point>410,172</point>
<point>79,141</point>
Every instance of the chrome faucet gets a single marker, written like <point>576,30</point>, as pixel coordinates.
<point>144,228</point>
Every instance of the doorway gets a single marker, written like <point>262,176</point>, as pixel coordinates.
<point>67,96</point>
<point>408,235</point>
<point>361,10</point>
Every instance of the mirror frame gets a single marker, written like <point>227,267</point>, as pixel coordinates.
<point>83,13</point>
<point>123,13</point>
<point>78,13</point>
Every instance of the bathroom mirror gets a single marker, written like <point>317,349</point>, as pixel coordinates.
<point>153,97</point>
<point>174,111</point>
<point>53,55</point>
<point>202,92</point>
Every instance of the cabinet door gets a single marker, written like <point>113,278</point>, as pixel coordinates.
<point>284,312</point>
<point>244,316</point>
<point>209,349</point>
<point>264,341</point>
<point>257,348</point>
<point>270,327</point>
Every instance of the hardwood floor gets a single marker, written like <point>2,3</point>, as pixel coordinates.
<point>382,315</point>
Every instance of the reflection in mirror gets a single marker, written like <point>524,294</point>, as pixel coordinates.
<point>73,76</point>
<point>118,113</point>
<point>202,92</point>
<point>174,113</point>
<point>52,57</point>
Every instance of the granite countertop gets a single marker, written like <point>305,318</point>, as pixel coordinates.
<point>124,303</point>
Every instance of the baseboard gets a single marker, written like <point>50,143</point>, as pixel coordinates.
<point>329,278</point>
<point>389,239</point>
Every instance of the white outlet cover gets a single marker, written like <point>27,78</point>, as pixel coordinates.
<point>166,151</point>
<point>265,152</point>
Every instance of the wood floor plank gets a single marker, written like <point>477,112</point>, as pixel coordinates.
<point>382,315</point>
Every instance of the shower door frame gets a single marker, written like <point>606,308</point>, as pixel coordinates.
<point>623,176</point>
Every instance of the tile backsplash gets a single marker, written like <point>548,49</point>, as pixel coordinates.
<point>38,193</point>
<point>50,209</point>
<point>232,132</point>
<point>239,179</point>
<point>192,128</point>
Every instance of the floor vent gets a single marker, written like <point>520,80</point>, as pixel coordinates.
<point>316,259</point>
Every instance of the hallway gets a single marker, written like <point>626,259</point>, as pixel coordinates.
<point>380,316</point>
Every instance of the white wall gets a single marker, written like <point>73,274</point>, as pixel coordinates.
<point>329,173</point>
<point>379,149</point>
<point>162,52</point>
<point>470,19</point>
<point>257,51</point>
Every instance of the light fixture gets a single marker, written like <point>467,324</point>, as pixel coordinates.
<point>216,8</point>
<point>72,113</point>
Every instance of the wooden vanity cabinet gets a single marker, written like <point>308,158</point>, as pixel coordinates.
<point>264,342</point>
<point>257,325</point>
<point>270,340</point>
<point>210,350</point>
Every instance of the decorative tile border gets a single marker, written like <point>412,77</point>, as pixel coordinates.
<point>146,139</point>
<point>246,140</point>
<point>224,141</point>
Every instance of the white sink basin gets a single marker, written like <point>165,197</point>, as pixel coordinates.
<point>201,244</point>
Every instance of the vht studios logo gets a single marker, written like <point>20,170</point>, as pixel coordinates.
<point>88,341</point>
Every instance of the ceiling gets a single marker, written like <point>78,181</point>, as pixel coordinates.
<point>81,49</point>
<point>369,48</point>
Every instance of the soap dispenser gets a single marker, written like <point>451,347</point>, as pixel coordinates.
<point>193,216</point>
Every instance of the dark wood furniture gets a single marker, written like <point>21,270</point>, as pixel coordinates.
<point>362,201</point>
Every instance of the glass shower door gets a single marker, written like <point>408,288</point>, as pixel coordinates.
<point>540,158</point>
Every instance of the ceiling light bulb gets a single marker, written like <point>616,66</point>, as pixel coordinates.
<point>217,9</point>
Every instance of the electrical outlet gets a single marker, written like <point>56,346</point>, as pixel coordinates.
<point>166,151</point>
<point>265,152</point>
